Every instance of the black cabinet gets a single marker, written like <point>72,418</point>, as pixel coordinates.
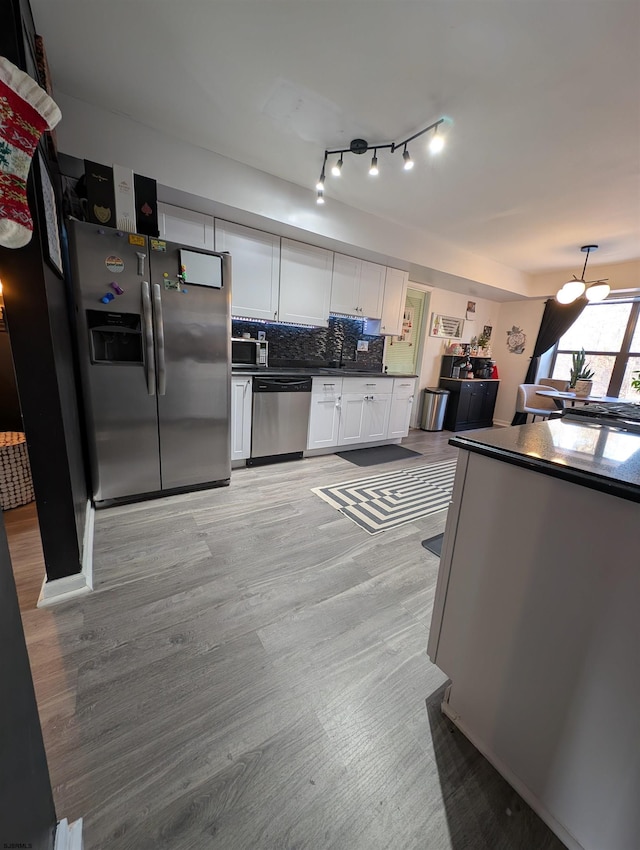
<point>471,404</point>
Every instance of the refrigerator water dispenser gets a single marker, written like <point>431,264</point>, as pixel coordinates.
<point>115,337</point>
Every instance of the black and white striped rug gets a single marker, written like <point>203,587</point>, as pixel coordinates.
<point>386,501</point>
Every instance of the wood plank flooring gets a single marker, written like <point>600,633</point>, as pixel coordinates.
<point>251,672</point>
<point>27,558</point>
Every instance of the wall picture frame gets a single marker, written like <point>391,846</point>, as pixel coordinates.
<point>53,249</point>
<point>447,327</point>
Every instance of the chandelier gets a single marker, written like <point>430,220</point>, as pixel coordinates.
<point>593,290</point>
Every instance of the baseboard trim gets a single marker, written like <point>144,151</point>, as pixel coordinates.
<point>87,545</point>
<point>523,790</point>
<point>69,835</point>
<point>502,423</point>
<point>331,450</point>
<point>62,589</point>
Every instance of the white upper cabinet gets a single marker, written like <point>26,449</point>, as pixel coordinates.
<point>255,269</point>
<point>357,288</point>
<point>305,284</point>
<point>395,293</point>
<point>345,285</point>
<point>185,226</point>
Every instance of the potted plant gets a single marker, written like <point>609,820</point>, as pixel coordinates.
<point>635,382</point>
<point>580,375</point>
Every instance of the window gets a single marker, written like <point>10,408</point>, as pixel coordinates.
<point>609,332</point>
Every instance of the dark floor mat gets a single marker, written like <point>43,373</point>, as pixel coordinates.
<point>434,544</point>
<point>377,454</point>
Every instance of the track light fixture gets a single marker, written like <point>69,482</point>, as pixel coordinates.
<point>320,198</point>
<point>593,290</point>
<point>360,146</point>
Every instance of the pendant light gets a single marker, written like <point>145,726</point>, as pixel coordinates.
<point>593,290</point>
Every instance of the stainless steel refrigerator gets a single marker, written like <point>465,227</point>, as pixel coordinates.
<point>154,333</point>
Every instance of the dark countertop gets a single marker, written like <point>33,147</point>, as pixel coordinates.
<point>597,456</point>
<point>320,371</point>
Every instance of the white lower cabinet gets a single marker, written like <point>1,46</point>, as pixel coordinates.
<point>401,407</point>
<point>324,417</point>
<point>364,415</point>
<point>241,397</point>
<point>352,419</point>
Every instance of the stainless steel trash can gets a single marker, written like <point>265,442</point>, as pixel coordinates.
<point>434,405</point>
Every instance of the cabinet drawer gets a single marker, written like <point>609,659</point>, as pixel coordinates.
<point>326,386</point>
<point>368,386</point>
<point>403,387</point>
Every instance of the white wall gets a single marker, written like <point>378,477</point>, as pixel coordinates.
<point>512,368</point>
<point>451,304</point>
<point>87,131</point>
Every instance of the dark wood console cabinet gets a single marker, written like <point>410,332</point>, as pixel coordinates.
<point>471,403</point>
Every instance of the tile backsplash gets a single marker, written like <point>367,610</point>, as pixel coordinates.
<point>291,345</point>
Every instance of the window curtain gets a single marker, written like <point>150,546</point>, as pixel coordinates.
<point>556,321</point>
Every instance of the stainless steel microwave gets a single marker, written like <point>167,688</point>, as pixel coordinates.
<point>249,353</point>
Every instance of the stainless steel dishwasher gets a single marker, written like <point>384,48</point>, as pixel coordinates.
<point>280,418</point>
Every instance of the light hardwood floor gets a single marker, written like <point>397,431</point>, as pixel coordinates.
<point>251,672</point>
<point>27,559</point>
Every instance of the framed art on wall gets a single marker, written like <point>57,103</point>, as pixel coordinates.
<point>53,251</point>
<point>449,327</point>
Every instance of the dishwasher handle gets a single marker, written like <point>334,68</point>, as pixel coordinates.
<point>281,385</point>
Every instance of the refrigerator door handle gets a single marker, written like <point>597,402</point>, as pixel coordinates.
<point>148,337</point>
<point>159,326</point>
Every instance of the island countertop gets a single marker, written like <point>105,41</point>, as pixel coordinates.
<point>601,457</point>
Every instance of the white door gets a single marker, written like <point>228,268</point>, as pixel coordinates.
<point>305,284</point>
<point>345,285</point>
<point>255,269</point>
<point>352,416</point>
<point>185,226</point>
<point>240,418</point>
<point>324,421</point>
<point>372,277</point>
<point>377,409</point>
<point>395,292</point>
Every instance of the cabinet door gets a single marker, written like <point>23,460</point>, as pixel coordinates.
<point>490,402</point>
<point>255,269</point>
<point>185,226</point>
<point>395,292</point>
<point>376,421</point>
<point>324,421</point>
<point>240,418</point>
<point>372,278</point>
<point>477,403</point>
<point>352,415</point>
<point>305,284</point>
<point>345,285</point>
<point>401,407</point>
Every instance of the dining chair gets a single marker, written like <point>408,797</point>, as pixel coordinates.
<point>555,384</point>
<point>528,402</point>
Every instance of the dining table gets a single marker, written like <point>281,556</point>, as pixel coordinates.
<point>560,398</point>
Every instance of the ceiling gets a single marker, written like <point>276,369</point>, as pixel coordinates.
<point>541,100</point>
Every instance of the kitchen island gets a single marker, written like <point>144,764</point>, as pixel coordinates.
<point>536,620</point>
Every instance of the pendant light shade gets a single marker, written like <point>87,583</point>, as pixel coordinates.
<point>598,291</point>
<point>574,289</point>
<point>564,297</point>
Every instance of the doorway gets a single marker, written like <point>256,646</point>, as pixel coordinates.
<point>403,353</point>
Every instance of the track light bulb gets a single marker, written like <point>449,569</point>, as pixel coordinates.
<point>320,183</point>
<point>320,198</point>
<point>337,168</point>
<point>597,292</point>
<point>437,142</point>
<point>374,165</point>
<point>408,162</point>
